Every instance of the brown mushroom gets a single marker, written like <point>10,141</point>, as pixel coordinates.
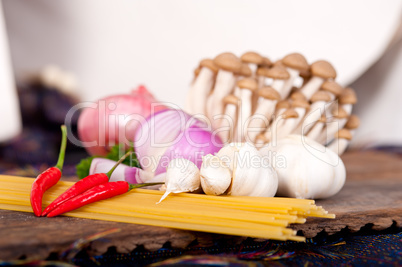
<point>247,86</point>
<point>320,70</point>
<point>268,97</point>
<point>341,141</point>
<point>228,65</point>
<point>201,87</point>
<point>294,63</point>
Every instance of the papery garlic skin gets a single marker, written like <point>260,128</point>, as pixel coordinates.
<point>305,168</point>
<point>251,176</point>
<point>182,175</point>
<point>215,176</point>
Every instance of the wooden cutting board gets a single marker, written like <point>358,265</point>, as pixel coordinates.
<point>372,195</point>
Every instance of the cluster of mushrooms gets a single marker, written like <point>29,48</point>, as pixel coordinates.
<point>251,99</point>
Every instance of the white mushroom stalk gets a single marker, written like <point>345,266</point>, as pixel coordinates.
<point>228,122</point>
<point>311,171</point>
<point>268,97</point>
<point>321,71</point>
<point>301,106</point>
<point>228,64</point>
<point>341,141</point>
<point>279,76</point>
<point>339,119</point>
<point>318,128</point>
<point>319,101</point>
<point>294,63</point>
<point>201,87</point>
<point>247,86</point>
<point>282,125</point>
<point>262,76</point>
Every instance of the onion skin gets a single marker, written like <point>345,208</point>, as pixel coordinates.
<point>178,135</point>
<point>105,128</point>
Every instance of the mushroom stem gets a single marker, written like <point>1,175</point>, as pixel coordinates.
<point>268,97</point>
<point>339,119</point>
<point>294,63</point>
<point>341,142</point>
<point>225,81</point>
<point>317,129</point>
<point>247,87</point>
<point>312,86</point>
<point>228,64</point>
<point>288,84</point>
<point>321,70</point>
<point>229,119</point>
<point>200,90</point>
<point>282,125</point>
<point>319,104</point>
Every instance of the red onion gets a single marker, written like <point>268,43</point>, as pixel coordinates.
<point>114,119</point>
<point>171,134</point>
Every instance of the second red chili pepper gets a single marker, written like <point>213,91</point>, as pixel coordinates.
<point>48,178</point>
<point>82,186</point>
<point>99,192</point>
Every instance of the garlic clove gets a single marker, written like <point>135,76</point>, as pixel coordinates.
<point>227,153</point>
<point>182,175</point>
<point>215,175</point>
<point>305,168</point>
<point>252,176</point>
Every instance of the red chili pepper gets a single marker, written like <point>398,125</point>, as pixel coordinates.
<point>82,186</point>
<point>99,192</point>
<point>48,178</point>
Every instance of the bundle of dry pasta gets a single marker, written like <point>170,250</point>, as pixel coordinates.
<point>243,216</point>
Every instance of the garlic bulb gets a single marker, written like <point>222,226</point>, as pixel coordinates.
<point>215,175</point>
<point>182,175</point>
<point>305,168</point>
<point>251,176</point>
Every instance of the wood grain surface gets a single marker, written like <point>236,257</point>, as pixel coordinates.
<point>372,194</point>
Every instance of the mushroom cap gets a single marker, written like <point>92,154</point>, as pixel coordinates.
<point>300,103</point>
<point>252,57</point>
<point>269,93</point>
<point>305,74</point>
<point>231,99</point>
<point>248,83</point>
<point>353,122</point>
<point>332,87</point>
<point>320,95</point>
<point>340,113</point>
<point>297,95</point>
<point>245,71</point>
<point>197,71</point>
<point>323,69</point>
<point>282,104</point>
<point>228,62</point>
<point>343,134</point>
<point>209,63</point>
<point>323,119</point>
<point>278,72</point>
<point>348,96</point>
<point>266,62</point>
<point>262,71</point>
<point>290,113</point>
<point>279,63</point>
<point>262,137</point>
<point>295,61</point>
